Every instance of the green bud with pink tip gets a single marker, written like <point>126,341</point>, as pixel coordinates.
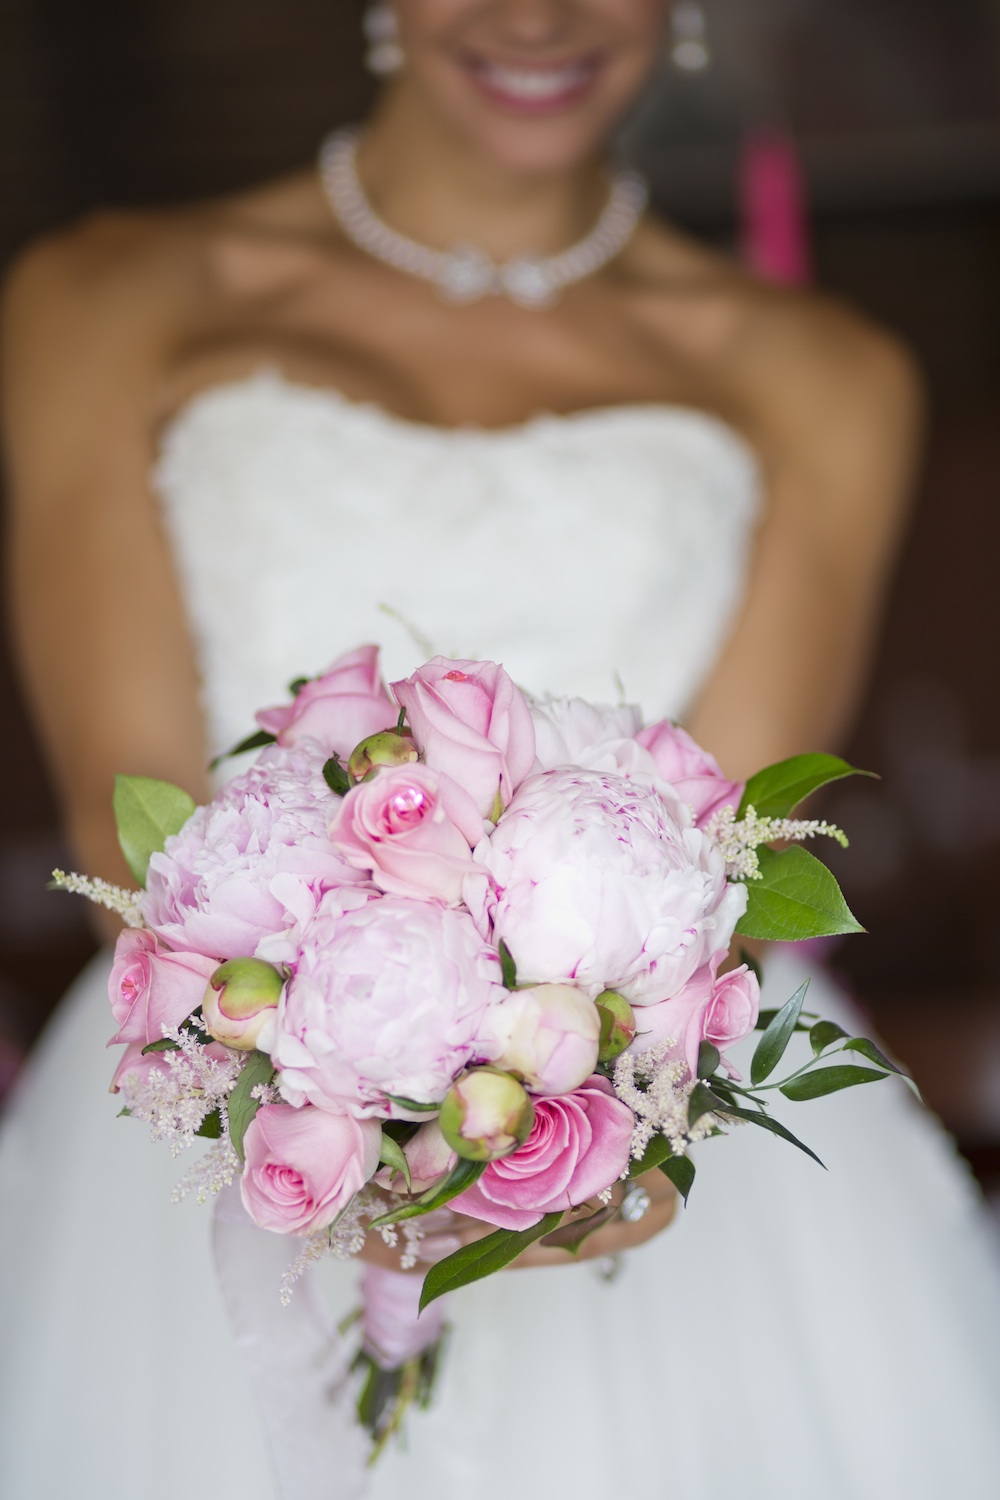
<point>241,998</point>
<point>617,1024</point>
<point>486,1114</point>
<point>387,748</point>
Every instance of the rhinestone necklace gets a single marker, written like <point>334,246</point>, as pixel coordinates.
<point>467,273</point>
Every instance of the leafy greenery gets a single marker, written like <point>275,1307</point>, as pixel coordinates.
<point>508,968</point>
<point>708,1059</point>
<point>211,1126</point>
<point>820,1081</point>
<point>147,812</point>
<point>165,1044</point>
<point>257,1069</point>
<point>255,741</point>
<point>771,1047</point>
<point>413,1105</point>
<point>571,1235</point>
<point>393,1155</point>
<point>777,791</point>
<point>336,777</point>
<point>482,1258</point>
<point>796,897</point>
<point>657,1151</point>
<point>823,1034</point>
<point>680,1170</point>
<point>461,1176</point>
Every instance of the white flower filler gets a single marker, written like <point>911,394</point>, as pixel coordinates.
<point>739,839</point>
<point>175,1098</point>
<point>656,1086</point>
<point>116,898</point>
<point>210,1174</point>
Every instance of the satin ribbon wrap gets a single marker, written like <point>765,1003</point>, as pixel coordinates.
<point>395,1329</point>
<point>297,1362</point>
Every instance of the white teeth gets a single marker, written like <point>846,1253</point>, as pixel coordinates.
<point>533,84</point>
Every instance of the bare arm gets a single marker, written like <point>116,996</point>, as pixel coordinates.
<point>841,412</point>
<point>98,625</point>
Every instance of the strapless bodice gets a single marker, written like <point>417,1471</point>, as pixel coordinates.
<point>604,546</point>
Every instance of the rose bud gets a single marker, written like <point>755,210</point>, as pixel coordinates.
<point>387,748</point>
<point>241,997</point>
<point>617,1024</point>
<point>486,1114</point>
<point>549,1037</point>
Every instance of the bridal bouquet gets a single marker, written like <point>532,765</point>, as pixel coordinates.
<point>454,945</point>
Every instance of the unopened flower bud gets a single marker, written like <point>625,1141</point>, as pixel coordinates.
<point>486,1114</point>
<point>617,1024</point>
<point>549,1036</point>
<point>241,997</point>
<point>387,748</point>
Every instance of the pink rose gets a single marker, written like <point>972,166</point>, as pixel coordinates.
<point>693,773</point>
<point>721,1011</point>
<point>412,829</point>
<point>344,705</point>
<point>579,1144</point>
<point>150,987</point>
<point>472,723</point>
<point>304,1165</point>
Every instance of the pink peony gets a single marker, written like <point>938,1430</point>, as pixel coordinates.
<point>548,1037</point>
<point>344,705</point>
<point>387,999</point>
<point>471,722</point>
<point>412,829</point>
<point>721,1011</point>
<point>579,1144</point>
<point>573,732</point>
<point>693,773</point>
<point>251,863</point>
<point>151,987</point>
<point>304,1165</point>
<point>595,880</point>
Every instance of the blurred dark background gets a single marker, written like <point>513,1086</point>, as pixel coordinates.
<point>894,109</point>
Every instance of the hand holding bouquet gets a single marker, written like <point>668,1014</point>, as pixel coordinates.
<point>457,947</point>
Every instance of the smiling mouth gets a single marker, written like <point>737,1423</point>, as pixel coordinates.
<point>533,88</point>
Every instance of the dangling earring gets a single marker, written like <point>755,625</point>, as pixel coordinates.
<point>689,37</point>
<point>384,55</point>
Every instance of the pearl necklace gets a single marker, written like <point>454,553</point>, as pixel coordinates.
<point>467,273</point>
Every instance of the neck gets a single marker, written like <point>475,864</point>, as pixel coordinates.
<point>438,190</point>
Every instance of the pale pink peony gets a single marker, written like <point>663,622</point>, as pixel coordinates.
<point>150,987</point>
<point>593,879</point>
<point>718,1010</point>
<point>694,774</point>
<point>348,702</point>
<point>473,724</point>
<point>412,829</point>
<point>387,999</point>
<point>548,1036</point>
<point>579,1144</point>
<point>304,1165</point>
<point>251,863</point>
<point>573,732</point>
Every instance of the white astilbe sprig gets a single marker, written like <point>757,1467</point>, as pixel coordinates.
<point>177,1096</point>
<point>343,1239</point>
<point>215,1170</point>
<point>739,839</point>
<point>656,1087</point>
<point>413,1233</point>
<point>116,898</point>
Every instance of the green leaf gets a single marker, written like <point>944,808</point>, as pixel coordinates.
<point>757,1117</point>
<point>771,1047</point>
<point>508,968</point>
<point>824,1034</point>
<point>393,1155</point>
<point>255,741</point>
<point>680,1170</point>
<point>336,777</point>
<point>703,1102</point>
<point>165,1044</point>
<point>827,1081</point>
<point>868,1049</point>
<point>482,1258</point>
<point>462,1175</point>
<point>297,684</point>
<point>413,1105</point>
<point>258,1068</point>
<point>211,1126</point>
<point>657,1151</point>
<point>571,1235</point>
<point>709,1058</point>
<point>777,791</point>
<point>147,812</point>
<point>746,957</point>
<point>795,898</point>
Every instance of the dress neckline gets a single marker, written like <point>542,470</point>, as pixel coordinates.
<point>271,378</point>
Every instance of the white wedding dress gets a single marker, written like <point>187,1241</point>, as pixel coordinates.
<point>796,1335</point>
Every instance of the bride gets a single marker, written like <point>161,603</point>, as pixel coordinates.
<point>235,431</point>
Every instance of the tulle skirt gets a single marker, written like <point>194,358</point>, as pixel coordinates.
<point>797,1334</point>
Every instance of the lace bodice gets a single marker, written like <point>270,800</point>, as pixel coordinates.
<point>578,550</point>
